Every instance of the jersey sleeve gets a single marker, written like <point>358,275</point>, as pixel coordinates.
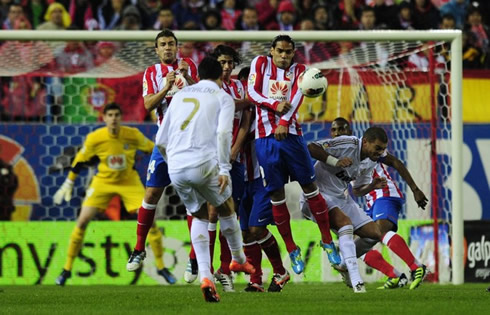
<point>83,157</point>
<point>192,69</point>
<point>255,82</point>
<point>144,144</point>
<point>224,132</point>
<point>364,179</point>
<point>149,84</point>
<point>296,99</point>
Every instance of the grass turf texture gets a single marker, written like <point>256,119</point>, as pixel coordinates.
<point>296,298</point>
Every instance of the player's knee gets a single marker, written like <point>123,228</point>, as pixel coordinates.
<point>153,194</point>
<point>248,237</point>
<point>309,188</point>
<point>258,232</point>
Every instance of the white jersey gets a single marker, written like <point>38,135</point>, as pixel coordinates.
<point>391,189</point>
<point>334,181</point>
<point>197,128</point>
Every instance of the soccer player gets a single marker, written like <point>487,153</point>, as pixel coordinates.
<point>281,149</point>
<point>160,82</point>
<point>198,156</point>
<point>115,147</point>
<point>384,206</point>
<point>229,59</point>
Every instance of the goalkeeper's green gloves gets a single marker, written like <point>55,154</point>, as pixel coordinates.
<point>64,192</point>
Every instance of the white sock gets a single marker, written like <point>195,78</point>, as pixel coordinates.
<point>200,241</point>
<point>364,245</point>
<point>348,250</point>
<point>231,230</point>
<point>212,227</point>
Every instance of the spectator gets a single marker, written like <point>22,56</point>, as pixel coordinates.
<point>131,19</point>
<point>312,52</point>
<point>150,10</point>
<point>305,7</point>
<point>286,17</point>
<point>322,19</point>
<point>211,20</point>
<point>14,12</point>
<point>479,30</point>
<point>165,20</point>
<point>368,19</point>
<point>56,17</point>
<point>248,21</point>
<point>186,11</point>
<point>103,52</point>
<point>404,20</point>
<point>447,22</point>
<point>456,8</point>
<point>229,14</point>
<point>350,12</point>
<point>425,15</point>
<point>4,9</point>
<point>267,13</point>
<point>385,14</point>
<point>109,13</point>
<point>191,50</point>
<point>35,10</point>
<point>473,57</point>
<point>82,14</point>
<point>74,57</point>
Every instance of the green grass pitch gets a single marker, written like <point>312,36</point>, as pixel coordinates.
<point>331,298</point>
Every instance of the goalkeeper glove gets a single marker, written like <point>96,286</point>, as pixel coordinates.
<point>64,192</point>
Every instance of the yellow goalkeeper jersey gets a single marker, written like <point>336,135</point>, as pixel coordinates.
<point>115,153</point>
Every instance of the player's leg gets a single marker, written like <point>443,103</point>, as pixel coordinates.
<point>191,270</point>
<point>275,175</point>
<point>298,158</point>
<point>213,220</point>
<point>385,212</point>
<point>156,181</point>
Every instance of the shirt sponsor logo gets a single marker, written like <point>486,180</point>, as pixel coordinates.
<point>117,162</point>
<point>278,90</point>
<point>179,83</point>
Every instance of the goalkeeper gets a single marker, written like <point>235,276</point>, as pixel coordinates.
<point>115,147</point>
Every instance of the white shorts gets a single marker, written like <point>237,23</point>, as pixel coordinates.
<point>197,185</point>
<point>349,207</point>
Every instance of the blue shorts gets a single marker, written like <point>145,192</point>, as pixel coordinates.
<point>157,173</point>
<point>387,208</point>
<point>256,207</point>
<point>237,175</point>
<point>284,160</point>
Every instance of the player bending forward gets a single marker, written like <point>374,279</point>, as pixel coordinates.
<point>198,156</point>
<point>115,147</point>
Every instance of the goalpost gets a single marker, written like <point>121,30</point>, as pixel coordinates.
<point>426,102</point>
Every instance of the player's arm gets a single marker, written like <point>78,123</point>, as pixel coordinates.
<point>281,131</point>
<point>83,157</point>
<point>242,134</point>
<point>363,189</point>
<point>161,139</point>
<point>319,153</point>
<point>144,144</point>
<point>224,131</point>
<point>394,162</point>
<point>254,87</point>
<point>185,69</point>
<point>153,98</point>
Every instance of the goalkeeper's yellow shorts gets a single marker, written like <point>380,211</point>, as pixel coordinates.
<point>101,191</point>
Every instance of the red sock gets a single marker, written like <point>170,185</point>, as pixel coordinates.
<point>225,255</point>
<point>192,253</point>
<point>271,249</point>
<point>397,245</point>
<point>374,259</point>
<point>254,257</point>
<point>212,240</point>
<point>282,220</point>
<point>145,221</point>
<point>319,209</point>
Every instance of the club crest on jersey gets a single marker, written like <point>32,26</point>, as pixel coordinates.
<point>325,145</point>
<point>289,74</point>
<point>117,162</point>
<point>278,90</point>
<point>126,146</point>
<point>145,87</point>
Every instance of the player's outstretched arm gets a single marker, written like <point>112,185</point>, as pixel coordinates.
<point>64,193</point>
<point>242,134</point>
<point>394,162</point>
<point>377,183</point>
<point>318,153</point>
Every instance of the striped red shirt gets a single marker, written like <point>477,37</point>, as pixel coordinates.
<point>391,189</point>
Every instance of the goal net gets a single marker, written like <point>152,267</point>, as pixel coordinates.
<point>53,90</point>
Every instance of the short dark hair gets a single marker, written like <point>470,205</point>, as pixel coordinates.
<point>342,120</point>
<point>165,33</point>
<point>448,16</point>
<point>112,106</point>
<point>282,38</point>
<point>227,51</point>
<point>375,133</point>
<point>243,74</point>
<point>209,69</point>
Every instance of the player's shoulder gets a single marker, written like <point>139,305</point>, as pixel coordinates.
<point>189,61</point>
<point>340,142</point>
<point>128,132</point>
<point>152,68</point>
<point>96,136</point>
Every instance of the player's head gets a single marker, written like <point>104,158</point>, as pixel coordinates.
<point>340,127</point>
<point>282,51</point>
<point>228,58</point>
<point>166,46</point>
<point>243,74</point>
<point>374,143</point>
<point>112,116</point>
<point>210,69</point>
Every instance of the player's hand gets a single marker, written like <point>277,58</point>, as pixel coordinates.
<point>184,68</point>
<point>170,80</point>
<point>223,182</point>
<point>420,198</point>
<point>281,132</point>
<point>283,107</point>
<point>234,155</point>
<point>64,193</point>
<point>379,182</point>
<point>344,162</point>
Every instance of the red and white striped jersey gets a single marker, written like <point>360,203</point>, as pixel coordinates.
<point>391,189</point>
<point>154,80</point>
<point>269,85</point>
<point>235,89</point>
<point>249,157</point>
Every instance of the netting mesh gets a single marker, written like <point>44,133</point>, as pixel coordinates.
<point>61,87</point>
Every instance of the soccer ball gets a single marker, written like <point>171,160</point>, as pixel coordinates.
<point>312,82</point>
